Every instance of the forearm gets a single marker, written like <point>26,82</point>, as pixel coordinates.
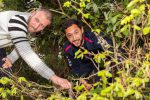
<point>13,56</point>
<point>32,59</point>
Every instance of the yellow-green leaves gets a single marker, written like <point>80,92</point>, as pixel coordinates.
<point>80,54</point>
<point>82,4</point>
<point>135,12</point>
<point>82,96</point>
<point>142,7</point>
<point>22,79</point>
<point>5,80</point>
<point>86,15</point>
<point>127,19</point>
<point>124,28</point>
<point>88,0</point>
<point>79,88</point>
<point>136,27</point>
<point>133,3</point>
<point>146,30</point>
<point>149,12</point>
<point>98,57</point>
<point>96,30</point>
<point>129,91</point>
<point>67,4</point>
<point>105,91</point>
<point>138,95</point>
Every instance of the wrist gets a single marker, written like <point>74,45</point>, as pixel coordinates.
<point>52,77</point>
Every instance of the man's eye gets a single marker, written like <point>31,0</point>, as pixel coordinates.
<point>76,32</point>
<point>69,36</point>
<point>37,20</point>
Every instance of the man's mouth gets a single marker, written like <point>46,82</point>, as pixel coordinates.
<point>76,42</point>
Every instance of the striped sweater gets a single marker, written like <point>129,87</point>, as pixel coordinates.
<point>13,31</point>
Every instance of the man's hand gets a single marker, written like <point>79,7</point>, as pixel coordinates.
<point>63,83</point>
<point>7,63</point>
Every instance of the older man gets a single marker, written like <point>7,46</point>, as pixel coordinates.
<point>15,29</point>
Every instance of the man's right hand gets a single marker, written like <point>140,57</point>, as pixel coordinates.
<point>63,83</point>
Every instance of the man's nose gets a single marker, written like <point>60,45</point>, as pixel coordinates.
<point>74,37</point>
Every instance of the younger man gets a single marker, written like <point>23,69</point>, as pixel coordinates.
<point>78,38</point>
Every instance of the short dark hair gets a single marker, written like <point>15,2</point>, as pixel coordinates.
<point>70,22</point>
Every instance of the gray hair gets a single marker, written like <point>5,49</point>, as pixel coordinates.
<point>48,13</point>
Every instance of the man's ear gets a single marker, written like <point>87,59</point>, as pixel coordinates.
<point>82,29</point>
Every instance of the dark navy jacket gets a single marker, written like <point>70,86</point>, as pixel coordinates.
<point>83,67</point>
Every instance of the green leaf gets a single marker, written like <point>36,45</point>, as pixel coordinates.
<point>108,74</point>
<point>138,95</point>
<point>79,88</point>
<point>80,56</point>
<point>125,33</point>
<point>5,80</point>
<point>132,3</point>
<point>82,97</point>
<point>146,30</point>
<point>4,94</point>
<point>77,53</point>
<point>22,79</point>
<point>136,27</point>
<point>1,90</point>
<point>149,12</point>
<point>99,73</point>
<point>13,90</point>
<point>67,4</point>
<point>107,63</point>
<point>86,15</point>
<point>107,90</point>
<point>114,19</point>
<point>97,30</point>
<point>142,7</point>
<point>129,91</point>
<point>88,0</point>
<point>82,4</point>
<point>135,12</point>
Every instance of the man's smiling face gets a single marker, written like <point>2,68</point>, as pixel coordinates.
<point>74,35</point>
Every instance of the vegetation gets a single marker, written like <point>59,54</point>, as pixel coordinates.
<point>128,25</point>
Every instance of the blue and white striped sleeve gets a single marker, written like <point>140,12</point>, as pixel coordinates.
<point>17,28</point>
